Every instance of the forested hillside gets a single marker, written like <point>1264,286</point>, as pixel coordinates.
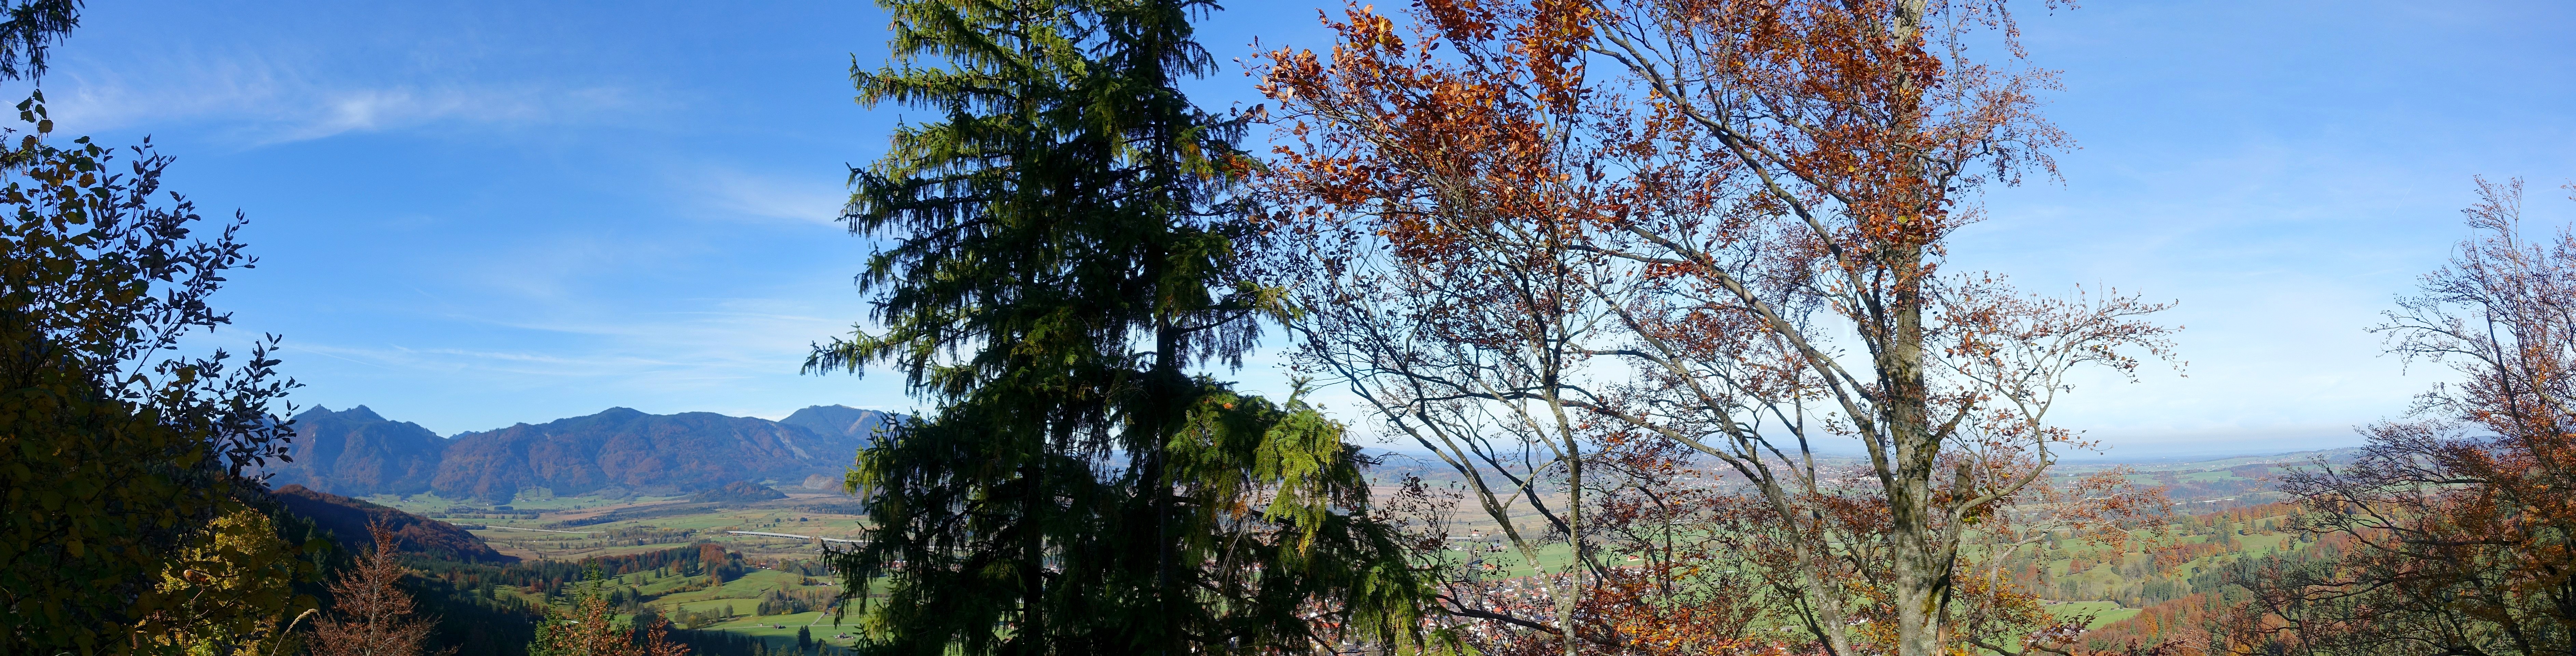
<point>358,452</point>
<point>348,519</point>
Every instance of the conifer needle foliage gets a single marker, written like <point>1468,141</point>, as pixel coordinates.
<point>1059,257</point>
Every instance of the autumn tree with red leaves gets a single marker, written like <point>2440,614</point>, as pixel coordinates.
<point>371,615</point>
<point>592,629</point>
<point>1525,233</point>
<point>2462,520</point>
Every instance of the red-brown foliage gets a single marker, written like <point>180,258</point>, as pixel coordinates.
<point>371,615</point>
<point>2249,514</point>
<point>2461,524</point>
<point>593,630</point>
<point>1536,227</point>
<point>2174,555</point>
<point>2174,628</point>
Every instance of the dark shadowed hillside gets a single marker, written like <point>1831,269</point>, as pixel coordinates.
<point>356,452</point>
<point>347,520</point>
<point>738,492</point>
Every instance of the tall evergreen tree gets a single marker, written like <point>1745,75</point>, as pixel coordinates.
<point>1060,257</point>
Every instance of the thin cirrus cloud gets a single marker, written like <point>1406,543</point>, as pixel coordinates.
<point>665,362</point>
<point>260,101</point>
<point>513,363</point>
<point>366,110</point>
<point>728,193</point>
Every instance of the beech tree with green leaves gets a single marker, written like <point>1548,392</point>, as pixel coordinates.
<point>130,513</point>
<point>121,450</point>
<point>1058,268</point>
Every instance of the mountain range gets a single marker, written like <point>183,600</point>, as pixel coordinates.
<point>356,452</point>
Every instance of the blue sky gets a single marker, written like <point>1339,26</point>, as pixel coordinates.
<point>473,214</point>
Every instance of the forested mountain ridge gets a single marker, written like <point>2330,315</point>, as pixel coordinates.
<point>621,448</point>
<point>841,420</point>
<point>357,452</point>
<point>347,519</point>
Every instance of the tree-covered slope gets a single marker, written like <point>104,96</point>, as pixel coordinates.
<point>630,450</point>
<point>357,452</point>
<point>347,520</point>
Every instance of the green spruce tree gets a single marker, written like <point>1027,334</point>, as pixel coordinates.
<point>548,624</point>
<point>1060,267</point>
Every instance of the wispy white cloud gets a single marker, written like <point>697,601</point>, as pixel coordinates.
<point>736,194</point>
<point>324,114</point>
<point>712,352</point>
<point>263,99</point>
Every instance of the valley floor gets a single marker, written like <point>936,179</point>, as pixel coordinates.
<point>2218,504</point>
